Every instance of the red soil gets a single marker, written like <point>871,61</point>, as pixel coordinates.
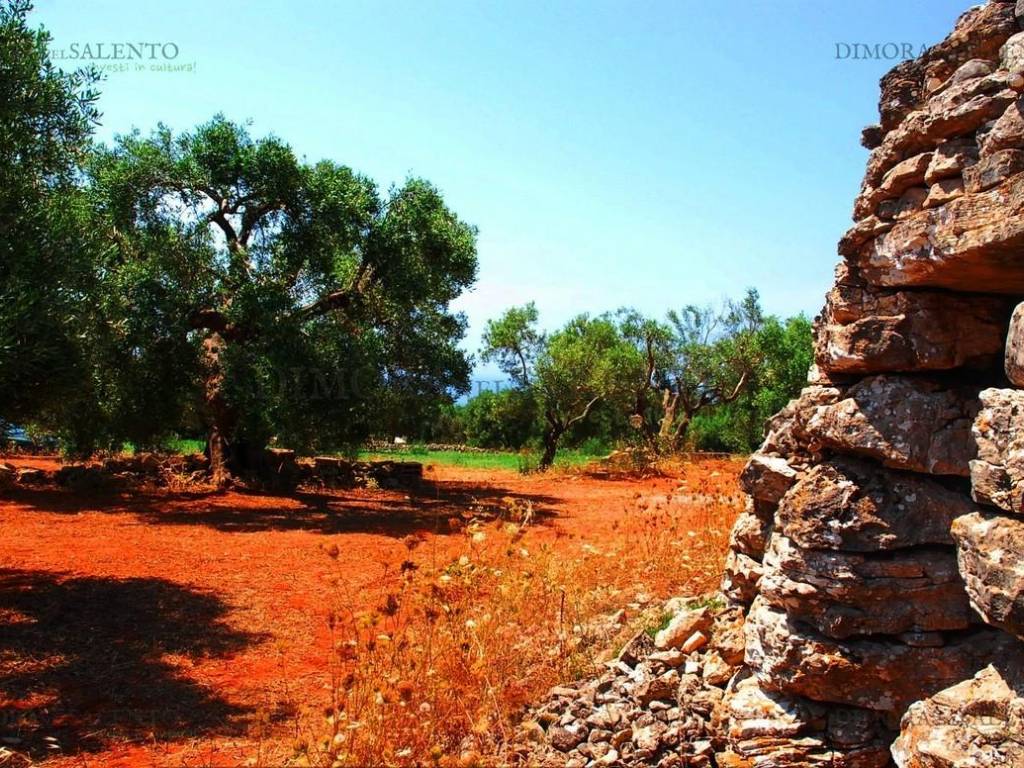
<point>162,628</point>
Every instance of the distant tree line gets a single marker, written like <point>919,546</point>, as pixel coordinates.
<point>704,378</point>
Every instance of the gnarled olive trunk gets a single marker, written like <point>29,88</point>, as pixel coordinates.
<point>219,416</point>
<point>552,435</point>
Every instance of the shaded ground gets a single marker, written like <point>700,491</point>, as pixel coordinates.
<point>160,628</point>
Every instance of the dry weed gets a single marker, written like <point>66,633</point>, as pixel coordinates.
<point>455,650</point>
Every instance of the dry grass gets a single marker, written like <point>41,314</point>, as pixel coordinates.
<point>457,647</point>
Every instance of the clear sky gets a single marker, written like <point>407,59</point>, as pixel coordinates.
<point>650,154</point>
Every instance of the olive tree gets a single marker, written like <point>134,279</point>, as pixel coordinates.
<point>569,371</point>
<point>244,279</point>
<point>700,358</point>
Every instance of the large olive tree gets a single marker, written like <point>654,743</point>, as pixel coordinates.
<point>293,297</point>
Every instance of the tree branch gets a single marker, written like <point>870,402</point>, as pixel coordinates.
<point>586,412</point>
<point>736,390</point>
<point>251,220</point>
<point>208,319</point>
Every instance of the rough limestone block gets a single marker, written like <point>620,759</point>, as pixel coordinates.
<point>766,728</point>
<point>958,111</point>
<point>740,578</point>
<point>873,673</point>
<point>951,158</point>
<point>1011,55</point>
<point>997,474</point>
<point>992,170</point>
<point>970,244</point>
<point>842,594</point>
<point>1014,355</point>
<point>857,506</point>
<point>787,430</point>
<point>861,234</point>
<point>865,330</point>
<point>979,33</point>
<point>904,175</point>
<point>975,724</point>
<point>943,192</point>
<point>1007,132</point>
<point>905,423</point>
<point>990,550</point>
<point>750,533</point>
<point>767,478</point>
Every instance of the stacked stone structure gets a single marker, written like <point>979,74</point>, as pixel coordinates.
<point>881,559</point>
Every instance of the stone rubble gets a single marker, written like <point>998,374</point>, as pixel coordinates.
<point>660,702</point>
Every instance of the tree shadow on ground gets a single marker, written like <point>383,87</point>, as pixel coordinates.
<point>85,662</point>
<point>434,507</point>
<point>439,508</point>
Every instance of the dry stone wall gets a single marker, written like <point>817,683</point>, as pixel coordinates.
<point>880,562</point>
<point>875,581</point>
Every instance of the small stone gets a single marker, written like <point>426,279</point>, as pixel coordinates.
<point>649,737</point>
<point>660,688</point>
<point>621,737</point>
<point>639,647</point>
<point>531,730</point>
<point>564,738</point>
<point>942,192</point>
<point>670,658</point>
<point>715,669</point>
<point>682,626</point>
<point>695,642</point>
<point>1014,357</point>
<point>563,691</point>
<point>1011,55</point>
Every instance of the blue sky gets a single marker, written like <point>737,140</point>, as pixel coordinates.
<point>650,154</point>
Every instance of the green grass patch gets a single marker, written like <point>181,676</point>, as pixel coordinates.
<point>180,445</point>
<point>712,603</point>
<point>663,622</point>
<point>491,460</point>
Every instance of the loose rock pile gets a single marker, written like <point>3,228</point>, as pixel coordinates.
<point>880,562</point>
<point>655,706</point>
